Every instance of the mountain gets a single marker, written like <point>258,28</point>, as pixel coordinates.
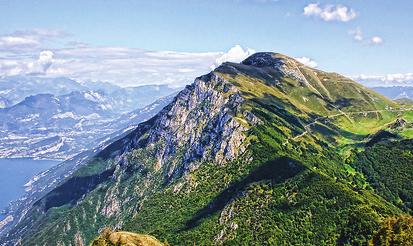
<point>49,111</point>
<point>15,89</point>
<point>59,127</point>
<point>45,126</point>
<point>127,99</point>
<point>394,80</point>
<point>265,152</point>
<point>396,92</point>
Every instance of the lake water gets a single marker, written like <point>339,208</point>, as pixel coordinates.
<point>15,173</point>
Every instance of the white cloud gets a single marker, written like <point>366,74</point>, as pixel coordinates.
<point>14,41</point>
<point>44,62</point>
<point>396,79</point>
<point>357,34</point>
<point>40,33</point>
<point>307,61</point>
<point>359,37</point>
<point>118,65</point>
<point>10,68</point>
<point>235,54</point>
<point>122,66</point>
<point>376,40</point>
<point>24,40</point>
<point>23,67</point>
<point>185,70</point>
<point>330,12</point>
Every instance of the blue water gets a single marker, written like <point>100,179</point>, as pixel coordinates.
<point>15,173</point>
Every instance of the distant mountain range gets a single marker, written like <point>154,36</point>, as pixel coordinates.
<point>15,89</point>
<point>58,118</point>
<point>49,127</point>
<point>396,92</point>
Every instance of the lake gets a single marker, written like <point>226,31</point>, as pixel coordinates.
<point>15,173</point>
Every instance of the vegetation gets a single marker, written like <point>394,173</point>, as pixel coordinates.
<point>397,231</point>
<point>388,168</point>
<point>110,238</point>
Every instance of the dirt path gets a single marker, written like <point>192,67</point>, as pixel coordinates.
<point>307,127</point>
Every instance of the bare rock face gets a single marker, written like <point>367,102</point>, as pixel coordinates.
<point>399,123</point>
<point>200,125</point>
<point>79,240</point>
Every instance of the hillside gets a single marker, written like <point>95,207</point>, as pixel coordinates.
<point>261,153</point>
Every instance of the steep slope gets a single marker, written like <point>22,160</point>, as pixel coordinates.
<point>395,231</point>
<point>42,183</point>
<point>249,153</point>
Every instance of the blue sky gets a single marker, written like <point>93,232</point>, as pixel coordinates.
<point>368,37</point>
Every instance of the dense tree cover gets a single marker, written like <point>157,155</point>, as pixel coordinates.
<point>388,168</point>
<point>395,231</point>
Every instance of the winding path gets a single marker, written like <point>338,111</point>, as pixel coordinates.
<point>307,127</point>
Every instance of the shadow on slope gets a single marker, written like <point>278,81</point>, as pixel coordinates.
<point>73,190</point>
<point>278,170</point>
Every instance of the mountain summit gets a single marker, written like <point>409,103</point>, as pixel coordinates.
<point>260,152</point>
